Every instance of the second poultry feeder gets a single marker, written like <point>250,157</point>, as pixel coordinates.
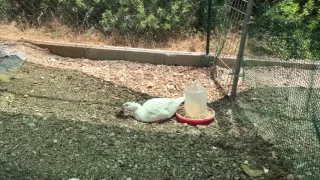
<point>195,110</point>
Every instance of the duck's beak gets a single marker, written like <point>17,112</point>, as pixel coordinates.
<point>120,109</point>
<point>123,110</point>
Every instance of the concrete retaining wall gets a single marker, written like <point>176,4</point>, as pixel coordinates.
<point>285,64</point>
<point>94,52</point>
<point>131,54</point>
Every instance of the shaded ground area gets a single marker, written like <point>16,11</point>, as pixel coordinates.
<point>286,112</point>
<point>60,123</point>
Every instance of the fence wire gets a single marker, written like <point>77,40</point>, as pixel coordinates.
<point>125,21</point>
<point>154,22</point>
<point>281,96</point>
<point>279,91</point>
<point>226,23</point>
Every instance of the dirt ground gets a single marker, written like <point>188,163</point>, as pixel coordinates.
<point>284,106</point>
<point>59,121</point>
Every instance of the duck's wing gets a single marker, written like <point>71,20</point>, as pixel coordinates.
<point>158,107</point>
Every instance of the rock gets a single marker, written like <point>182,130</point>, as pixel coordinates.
<point>32,124</point>
<point>229,112</point>
<point>201,127</point>
<point>172,135</point>
<point>150,85</point>
<point>243,177</point>
<point>120,161</point>
<point>290,177</point>
<point>53,60</point>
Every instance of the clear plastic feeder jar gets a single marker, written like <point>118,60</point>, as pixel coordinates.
<point>195,104</point>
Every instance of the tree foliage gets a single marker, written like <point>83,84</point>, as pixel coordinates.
<point>152,16</point>
<point>291,28</point>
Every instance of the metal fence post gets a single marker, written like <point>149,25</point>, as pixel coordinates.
<point>241,48</point>
<point>208,26</point>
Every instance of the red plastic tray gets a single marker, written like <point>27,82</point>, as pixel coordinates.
<point>194,121</point>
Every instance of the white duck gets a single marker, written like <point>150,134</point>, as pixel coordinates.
<point>154,110</point>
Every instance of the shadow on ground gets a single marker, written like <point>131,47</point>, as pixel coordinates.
<point>289,118</point>
<point>59,124</point>
<point>37,148</point>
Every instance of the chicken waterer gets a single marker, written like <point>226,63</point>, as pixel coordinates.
<point>195,110</point>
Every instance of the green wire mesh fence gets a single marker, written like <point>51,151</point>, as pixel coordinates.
<point>153,22</point>
<point>225,21</point>
<point>281,90</point>
<point>150,20</point>
<point>277,77</point>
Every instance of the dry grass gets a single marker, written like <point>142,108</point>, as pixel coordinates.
<point>57,32</point>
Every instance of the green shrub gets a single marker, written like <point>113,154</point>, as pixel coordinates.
<point>27,11</point>
<point>71,12</point>
<point>150,16</point>
<point>123,16</point>
<point>291,28</point>
<point>5,9</point>
<point>84,13</point>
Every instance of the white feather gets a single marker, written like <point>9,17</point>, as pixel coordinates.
<point>155,109</point>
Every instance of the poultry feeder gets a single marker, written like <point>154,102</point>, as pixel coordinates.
<point>195,110</point>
